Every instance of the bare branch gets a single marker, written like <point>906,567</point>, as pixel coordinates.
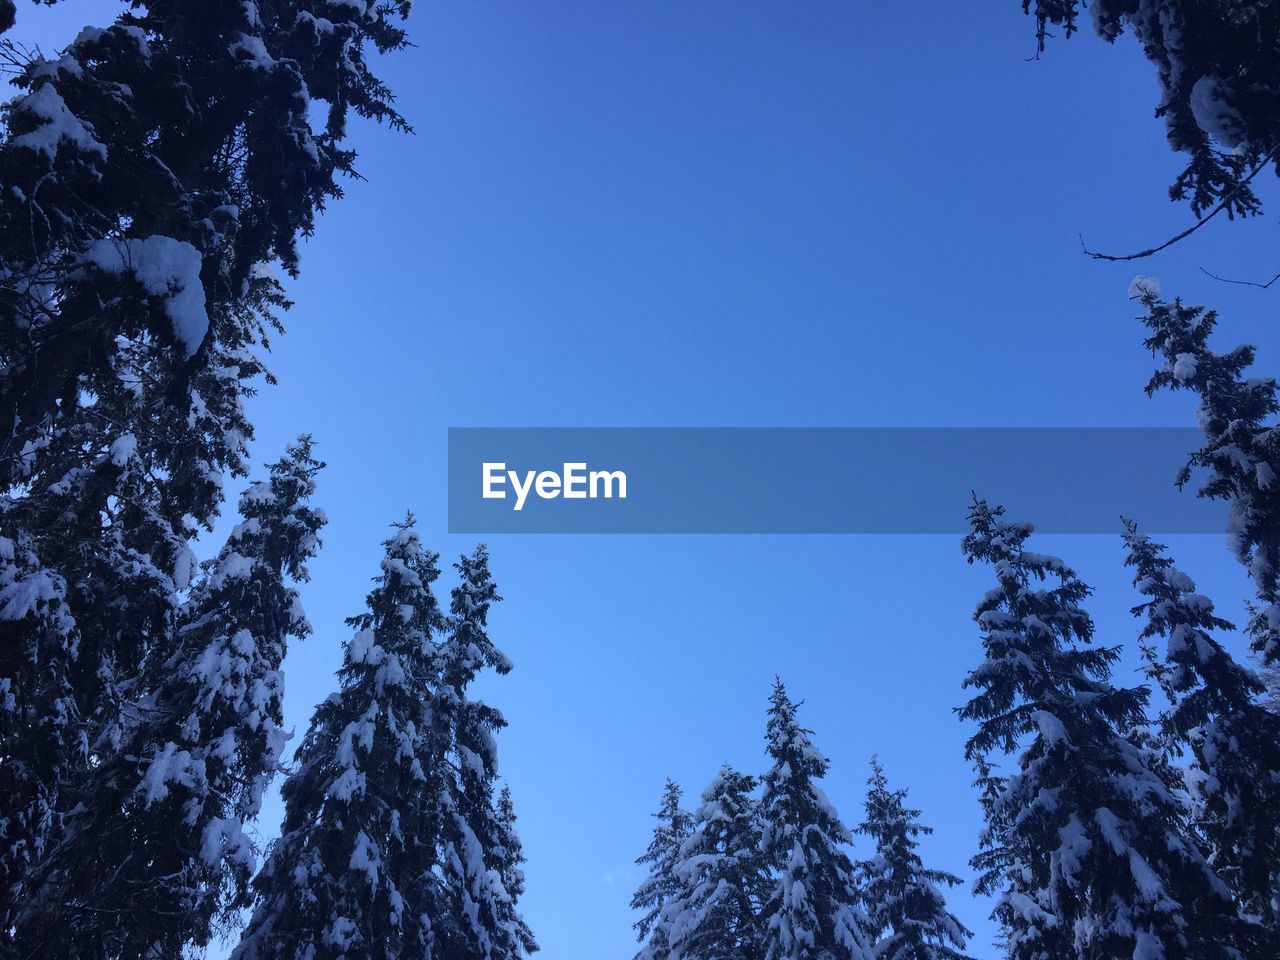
<point>1222,205</point>
<point>1243,283</point>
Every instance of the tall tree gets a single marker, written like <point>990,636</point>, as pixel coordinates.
<point>154,854</point>
<point>906,908</point>
<point>813,911</point>
<point>149,175</point>
<point>354,873</point>
<point>1241,450</point>
<point>1088,849</point>
<point>1233,739</point>
<point>723,877</point>
<point>674,826</point>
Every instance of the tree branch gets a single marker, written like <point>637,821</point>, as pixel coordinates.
<point>1243,283</point>
<point>1222,205</point>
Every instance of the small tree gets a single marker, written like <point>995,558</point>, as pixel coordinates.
<point>355,871</point>
<point>813,911</point>
<point>722,876</point>
<point>510,855</point>
<point>907,911</point>
<point>481,919</point>
<point>661,887</point>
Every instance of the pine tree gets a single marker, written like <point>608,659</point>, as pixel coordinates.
<point>813,910</point>
<point>1217,65</point>
<point>154,853</point>
<point>510,855</point>
<point>482,921</point>
<point>353,873</point>
<point>1241,450</point>
<point>1233,739</point>
<point>722,877</point>
<point>674,826</point>
<point>1087,845</point>
<point>907,911</point>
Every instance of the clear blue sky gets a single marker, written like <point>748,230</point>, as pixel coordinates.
<point>728,214</point>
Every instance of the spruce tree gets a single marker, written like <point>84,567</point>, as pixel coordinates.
<point>813,911</point>
<point>481,922</point>
<point>354,872</point>
<point>1217,715</point>
<point>1087,847</point>
<point>722,877</point>
<point>509,852</point>
<point>674,826</point>
<point>1241,451</point>
<point>906,908</point>
<point>154,853</point>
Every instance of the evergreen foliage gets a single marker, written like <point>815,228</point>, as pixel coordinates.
<point>1087,851</point>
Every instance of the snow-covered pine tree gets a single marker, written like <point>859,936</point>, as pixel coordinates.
<point>722,878</point>
<point>153,854</point>
<point>660,887</point>
<point>1241,450</point>
<point>354,872</point>
<point>482,921</point>
<point>1217,65</point>
<point>510,855</point>
<point>813,911</point>
<point>1217,714</point>
<point>1087,847</point>
<point>906,908</point>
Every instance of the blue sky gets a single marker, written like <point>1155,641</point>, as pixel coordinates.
<point>724,214</point>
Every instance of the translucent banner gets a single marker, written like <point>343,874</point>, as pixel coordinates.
<point>819,480</point>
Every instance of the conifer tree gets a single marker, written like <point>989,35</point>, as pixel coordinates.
<point>354,872</point>
<point>154,852</point>
<point>1088,849</point>
<point>813,911</point>
<point>1241,450</point>
<point>907,911</point>
<point>482,921</point>
<point>510,855</point>
<point>1233,739</point>
<point>722,876</point>
<point>674,826</point>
